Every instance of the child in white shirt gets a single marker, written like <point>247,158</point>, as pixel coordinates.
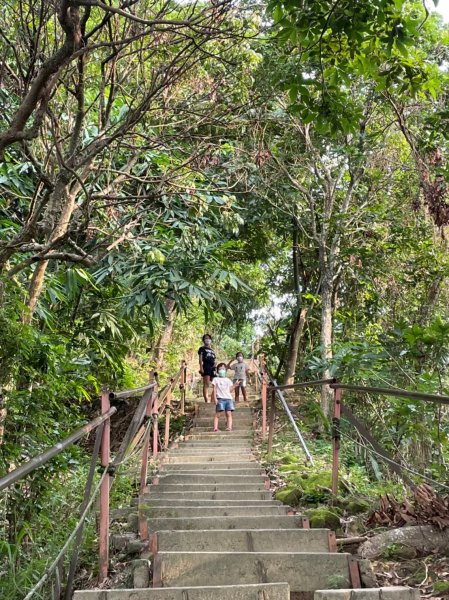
<point>222,388</point>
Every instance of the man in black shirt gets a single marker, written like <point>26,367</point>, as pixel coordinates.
<point>207,364</point>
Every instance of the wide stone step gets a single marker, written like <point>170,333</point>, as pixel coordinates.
<point>261,540</point>
<point>237,429</point>
<point>207,458</point>
<point>211,450</point>
<point>262,591</point>
<point>210,478</point>
<point>176,512</point>
<point>212,523</point>
<point>382,593</point>
<point>305,572</point>
<point>214,468</point>
<point>219,436</point>
<point>238,421</point>
<point>206,495</point>
<point>208,487</point>
<point>224,441</point>
<point>195,502</point>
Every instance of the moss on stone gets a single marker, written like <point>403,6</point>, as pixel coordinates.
<point>441,587</point>
<point>323,518</point>
<point>355,506</point>
<point>289,495</point>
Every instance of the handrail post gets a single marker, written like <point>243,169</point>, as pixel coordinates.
<point>155,417</point>
<point>272,418</point>
<point>103,538</point>
<point>167,420</point>
<point>182,385</point>
<point>143,488</point>
<point>336,440</point>
<point>264,398</point>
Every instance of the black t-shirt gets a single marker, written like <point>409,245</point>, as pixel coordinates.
<point>207,356</point>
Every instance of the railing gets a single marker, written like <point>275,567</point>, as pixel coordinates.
<point>264,378</point>
<point>340,409</point>
<point>143,426</point>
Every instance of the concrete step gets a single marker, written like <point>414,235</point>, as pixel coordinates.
<point>153,502</point>
<point>217,511</point>
<point>237,429</point>
<point>208,458</point>
<point>261,540</point>
<point>207,487</point>
<point>262,591</point>
<point>206,495</point>
<point>238,420</point>
<point>305,572</point>
<point>382,593</point>
<point>222,441</point>
<point>187,478</point>
<point>212,523</point>
<point>208,435</point>
<point>218,468</point>
<point>185,449</point>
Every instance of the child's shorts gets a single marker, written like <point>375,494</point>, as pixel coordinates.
<point>242,382</point>
<point>223,404</point>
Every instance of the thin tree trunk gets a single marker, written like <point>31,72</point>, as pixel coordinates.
<point>326,326</point>
<point>165,337</point>
<point>36,285</point>
<point>293,349</point>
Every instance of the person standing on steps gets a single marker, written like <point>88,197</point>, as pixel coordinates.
<point>207,364</point>
<point>241,371</point>
<point>222,388</point>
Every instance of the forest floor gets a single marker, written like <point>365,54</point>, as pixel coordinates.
<point>307,488</point>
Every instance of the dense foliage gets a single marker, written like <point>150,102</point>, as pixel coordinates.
<point>168,168</point>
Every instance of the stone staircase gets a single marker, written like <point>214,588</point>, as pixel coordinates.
<point>216,533</point>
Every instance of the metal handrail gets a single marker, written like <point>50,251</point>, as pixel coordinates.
<point>303,384</point>
<point>44,457</point>
<point>131,393</point>
<point>286,407</point>
<point>148,406</point>
<point>391,392</point>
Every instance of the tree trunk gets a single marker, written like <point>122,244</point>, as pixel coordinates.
<point>293,348</point>
<point>165,337</point>
<point>326,326</point>
<point>36,285</point>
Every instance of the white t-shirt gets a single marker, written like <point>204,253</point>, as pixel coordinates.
<point>222,387</point>
<point>240,370</point>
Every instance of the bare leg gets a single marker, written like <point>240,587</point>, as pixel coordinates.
<point>229,420</point>
<point>216,421</point>
<point>237,391</point>
<point>206,383</point>
<point>244,393</point>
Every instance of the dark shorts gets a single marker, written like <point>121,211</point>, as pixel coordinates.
<point>224,404</point>
<point>210,371</point>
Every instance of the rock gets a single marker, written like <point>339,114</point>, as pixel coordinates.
<point>141,573</point>
<point>423,539</point>
<point>355,506</point>
<point>290,495</point>
<point>367,574</point>
<point>323,518</point>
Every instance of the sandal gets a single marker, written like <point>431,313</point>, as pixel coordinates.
<point>228,428</point>
<point>215,430</point>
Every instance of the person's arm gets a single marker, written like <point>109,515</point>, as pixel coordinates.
<point>236,385</point>
<point>214,394</point>
<point>200,355</point>
<point>228,366</point>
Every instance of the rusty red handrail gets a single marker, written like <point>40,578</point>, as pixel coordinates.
<point>339,408</point>
<point>149,407</point>
<point>44,457</point>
